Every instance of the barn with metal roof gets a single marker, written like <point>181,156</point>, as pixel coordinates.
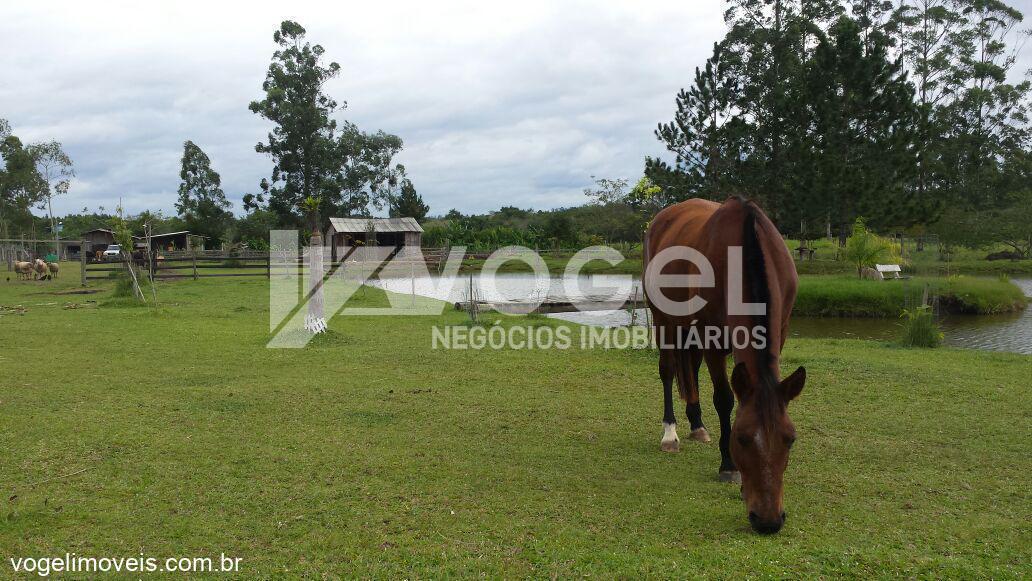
<point>400,233</point>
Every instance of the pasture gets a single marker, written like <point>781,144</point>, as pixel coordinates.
<point>174,431</point>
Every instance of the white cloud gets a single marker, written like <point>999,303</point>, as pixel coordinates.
<point>498,103</point>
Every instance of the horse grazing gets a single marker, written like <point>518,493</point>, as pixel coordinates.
<point>737,302</point>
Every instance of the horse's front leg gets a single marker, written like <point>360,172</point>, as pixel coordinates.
<point>724,402</point>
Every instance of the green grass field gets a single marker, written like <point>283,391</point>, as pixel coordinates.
<point>174,431</point>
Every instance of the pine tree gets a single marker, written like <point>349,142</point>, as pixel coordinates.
<point>704,137</point>
<point>864,127</point>
<point>409,204</point>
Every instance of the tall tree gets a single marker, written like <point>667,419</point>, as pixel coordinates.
<point>409,203</point>
<point>202,204</point>
<point>21,186</point>
<point>864,124</point>
<point>741,127</point>
<point>303,142</point>
<point>928,34</point>
<point>55,171</point>
<point>345,172</point>
<point>704,136</point>
<point>367,177</point>
<point>989,119</point>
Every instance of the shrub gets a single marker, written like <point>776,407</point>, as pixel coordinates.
<point>123,287</point>
<point>919,328</point>
<point>865,248</point>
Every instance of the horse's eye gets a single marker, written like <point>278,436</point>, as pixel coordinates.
<point>743,440</point>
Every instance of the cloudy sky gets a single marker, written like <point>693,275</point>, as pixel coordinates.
<point>498,103</point>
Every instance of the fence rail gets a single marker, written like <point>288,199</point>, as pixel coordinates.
<point>161,265</point>
<point>206,264</point>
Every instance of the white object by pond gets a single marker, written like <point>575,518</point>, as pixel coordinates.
<point>888,269</point>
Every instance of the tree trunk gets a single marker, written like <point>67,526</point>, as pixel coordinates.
<point>53,228</point>
<point>315,321</point>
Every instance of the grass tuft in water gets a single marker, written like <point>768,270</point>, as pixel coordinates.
<point>920,329</point>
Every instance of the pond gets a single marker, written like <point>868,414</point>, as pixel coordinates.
<point>1011,332</point>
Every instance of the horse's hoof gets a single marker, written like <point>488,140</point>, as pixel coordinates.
<point>734,477</point>
<point>700,435</point>
<point>670,445</point>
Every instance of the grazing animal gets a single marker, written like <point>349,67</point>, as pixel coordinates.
<point>42,270</point>
<point>24,269</point>
<point>54,267</point>
<point>754,449</point>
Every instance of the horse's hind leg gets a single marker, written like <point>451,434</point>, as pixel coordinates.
<point>692,360</point>
<point>670,442</point>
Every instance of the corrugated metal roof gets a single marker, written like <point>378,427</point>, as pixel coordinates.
<point>379,224</point>
<point>167,234</point>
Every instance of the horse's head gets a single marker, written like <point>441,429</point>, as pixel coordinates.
<point>761,438</point>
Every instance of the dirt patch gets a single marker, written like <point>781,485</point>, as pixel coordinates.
<point>75,291</point>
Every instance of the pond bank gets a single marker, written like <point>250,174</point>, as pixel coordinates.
<point>846,296</point>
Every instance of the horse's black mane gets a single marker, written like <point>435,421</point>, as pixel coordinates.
<point>755,274</point>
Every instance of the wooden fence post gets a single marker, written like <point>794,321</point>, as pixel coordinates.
<point>194,256</point>
<point>82,261</point>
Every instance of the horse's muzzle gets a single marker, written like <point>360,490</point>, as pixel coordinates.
<point>767,527</point>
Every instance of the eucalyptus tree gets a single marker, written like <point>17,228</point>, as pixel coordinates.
<point>55,171</point>
<point>344,168</point>
<point>989,118</point>
<point>202,204</point>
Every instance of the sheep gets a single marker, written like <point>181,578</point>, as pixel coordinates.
<point>24,269</point>
<point>42,271</point>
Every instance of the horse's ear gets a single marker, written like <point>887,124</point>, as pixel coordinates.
<point>740,381</point>
<point>792,385</point>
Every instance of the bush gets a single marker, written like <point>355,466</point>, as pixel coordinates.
<point>864,248</point>
<point>919,328</point>
<point>123,287</point>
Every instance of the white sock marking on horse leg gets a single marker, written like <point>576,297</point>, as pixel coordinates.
<point>669,435</point>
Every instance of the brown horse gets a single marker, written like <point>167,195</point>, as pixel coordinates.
<point>739,304</point>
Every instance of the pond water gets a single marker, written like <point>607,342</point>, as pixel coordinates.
<point>1012,332</point>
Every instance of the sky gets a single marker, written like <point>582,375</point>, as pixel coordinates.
<point>499,104</point>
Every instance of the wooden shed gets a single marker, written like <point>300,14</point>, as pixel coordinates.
<point>173,241</point>
<point>97,240</point>
<point>403,234</point>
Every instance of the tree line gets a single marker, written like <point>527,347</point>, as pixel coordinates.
<point>904,113</point>
<point>908,114</point>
